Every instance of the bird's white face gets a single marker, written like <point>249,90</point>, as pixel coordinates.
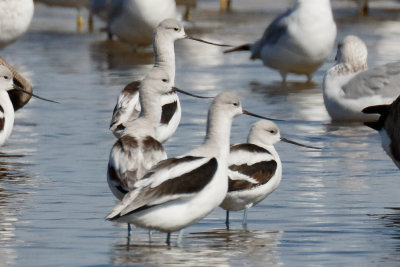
<point>352,50</point>
<point>6,79</point>
<point>172,28</point>
<point>229,103</point>
<point>159,81</point>
<point>265,132</point>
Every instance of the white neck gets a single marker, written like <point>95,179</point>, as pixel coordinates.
<point>8,109</point>
<point>164,54</point>
<point>217,140</point>
<point>151,107</point>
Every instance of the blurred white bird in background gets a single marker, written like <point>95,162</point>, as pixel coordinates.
<point>298,41</point>
<point>133,21</point>
<point>349,87</point>
<point>15,18</point>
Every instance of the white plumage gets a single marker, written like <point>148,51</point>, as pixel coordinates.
<point>349,86</point>
<point>15,18</point>
<point>180,191</point>
<point>298,41</point>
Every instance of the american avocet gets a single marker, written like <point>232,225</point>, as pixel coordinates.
<point>133,21</point>
<point>128,105</point>
<point>388,127</point>
<point>138,150</point>
<point>178,192</point>
<point>18,98</point>
<point>349,87</point>
<point>6,107</point>
<point>15,18</point>
<point>298,41</point>
<point>255,169</point>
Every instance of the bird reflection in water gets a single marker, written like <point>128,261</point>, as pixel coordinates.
<point>14,189</point>
<point>217,247</point>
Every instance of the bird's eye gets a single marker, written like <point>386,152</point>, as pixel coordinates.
<point>236,104</point>
<point>6,77</point>
<point>176,29</point>
<point>165,80</point>
<point>272,131</point>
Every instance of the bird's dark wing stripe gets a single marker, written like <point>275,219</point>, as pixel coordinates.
<point>2,120</point>
<point>188,183</point>
<point>168,111</point>
<point>249,148</point>
<point>18,98</point>
<point>262,172</point>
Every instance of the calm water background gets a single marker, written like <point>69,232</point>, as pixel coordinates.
<point>338,206</point>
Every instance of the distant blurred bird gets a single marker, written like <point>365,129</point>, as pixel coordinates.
<point>133,21</point>
<point>78,4</point>
<point>388,126</point>
<point>254,168</point>
<point>298,41</point>
<point>15,18</point>
<point>349,87</point>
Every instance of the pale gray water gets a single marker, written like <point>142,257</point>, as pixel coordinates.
<point>339,206</point>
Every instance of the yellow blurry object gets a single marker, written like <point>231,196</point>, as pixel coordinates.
<point>79,21</point>
<point>225,5</point>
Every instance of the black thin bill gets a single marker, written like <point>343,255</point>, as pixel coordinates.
<point>206,42</point>
<point>189,94</point>
<point>20,89</point>
<point>258,116</point>
<point>298,144</point>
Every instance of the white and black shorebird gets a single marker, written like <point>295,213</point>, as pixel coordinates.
<point>255,169</point>
<point>137,150</point>
<point>388,126</point>
<point>128,105</point>
<point>18,98</point>
<point>298,41</point>
<point>178,192</point>
<point>15,18</point>
<point>350,86</point>
<point>6,106</point>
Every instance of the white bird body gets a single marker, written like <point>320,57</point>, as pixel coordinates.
<point>136,19</point>
<point>255,169</point>
<point>349,87</point>
<point>15,18</point>
<point>137,150</point>
<point>180,191</point>
<point>6,116</point>
<point>298,41</point>
<point>6,106</point>
<point>128,106</point>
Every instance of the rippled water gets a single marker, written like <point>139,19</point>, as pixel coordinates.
<point>338,206</point>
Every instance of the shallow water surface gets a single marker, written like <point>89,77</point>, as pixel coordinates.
<point>337,206</point>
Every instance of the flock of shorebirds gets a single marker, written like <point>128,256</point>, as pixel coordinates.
<point>169,194</point>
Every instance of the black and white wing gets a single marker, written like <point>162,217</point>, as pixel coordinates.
<point>249,167</point>
<point>383,81</point>
<point>127,107</point>
<point>129,160</point>
<point>169,180</point>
